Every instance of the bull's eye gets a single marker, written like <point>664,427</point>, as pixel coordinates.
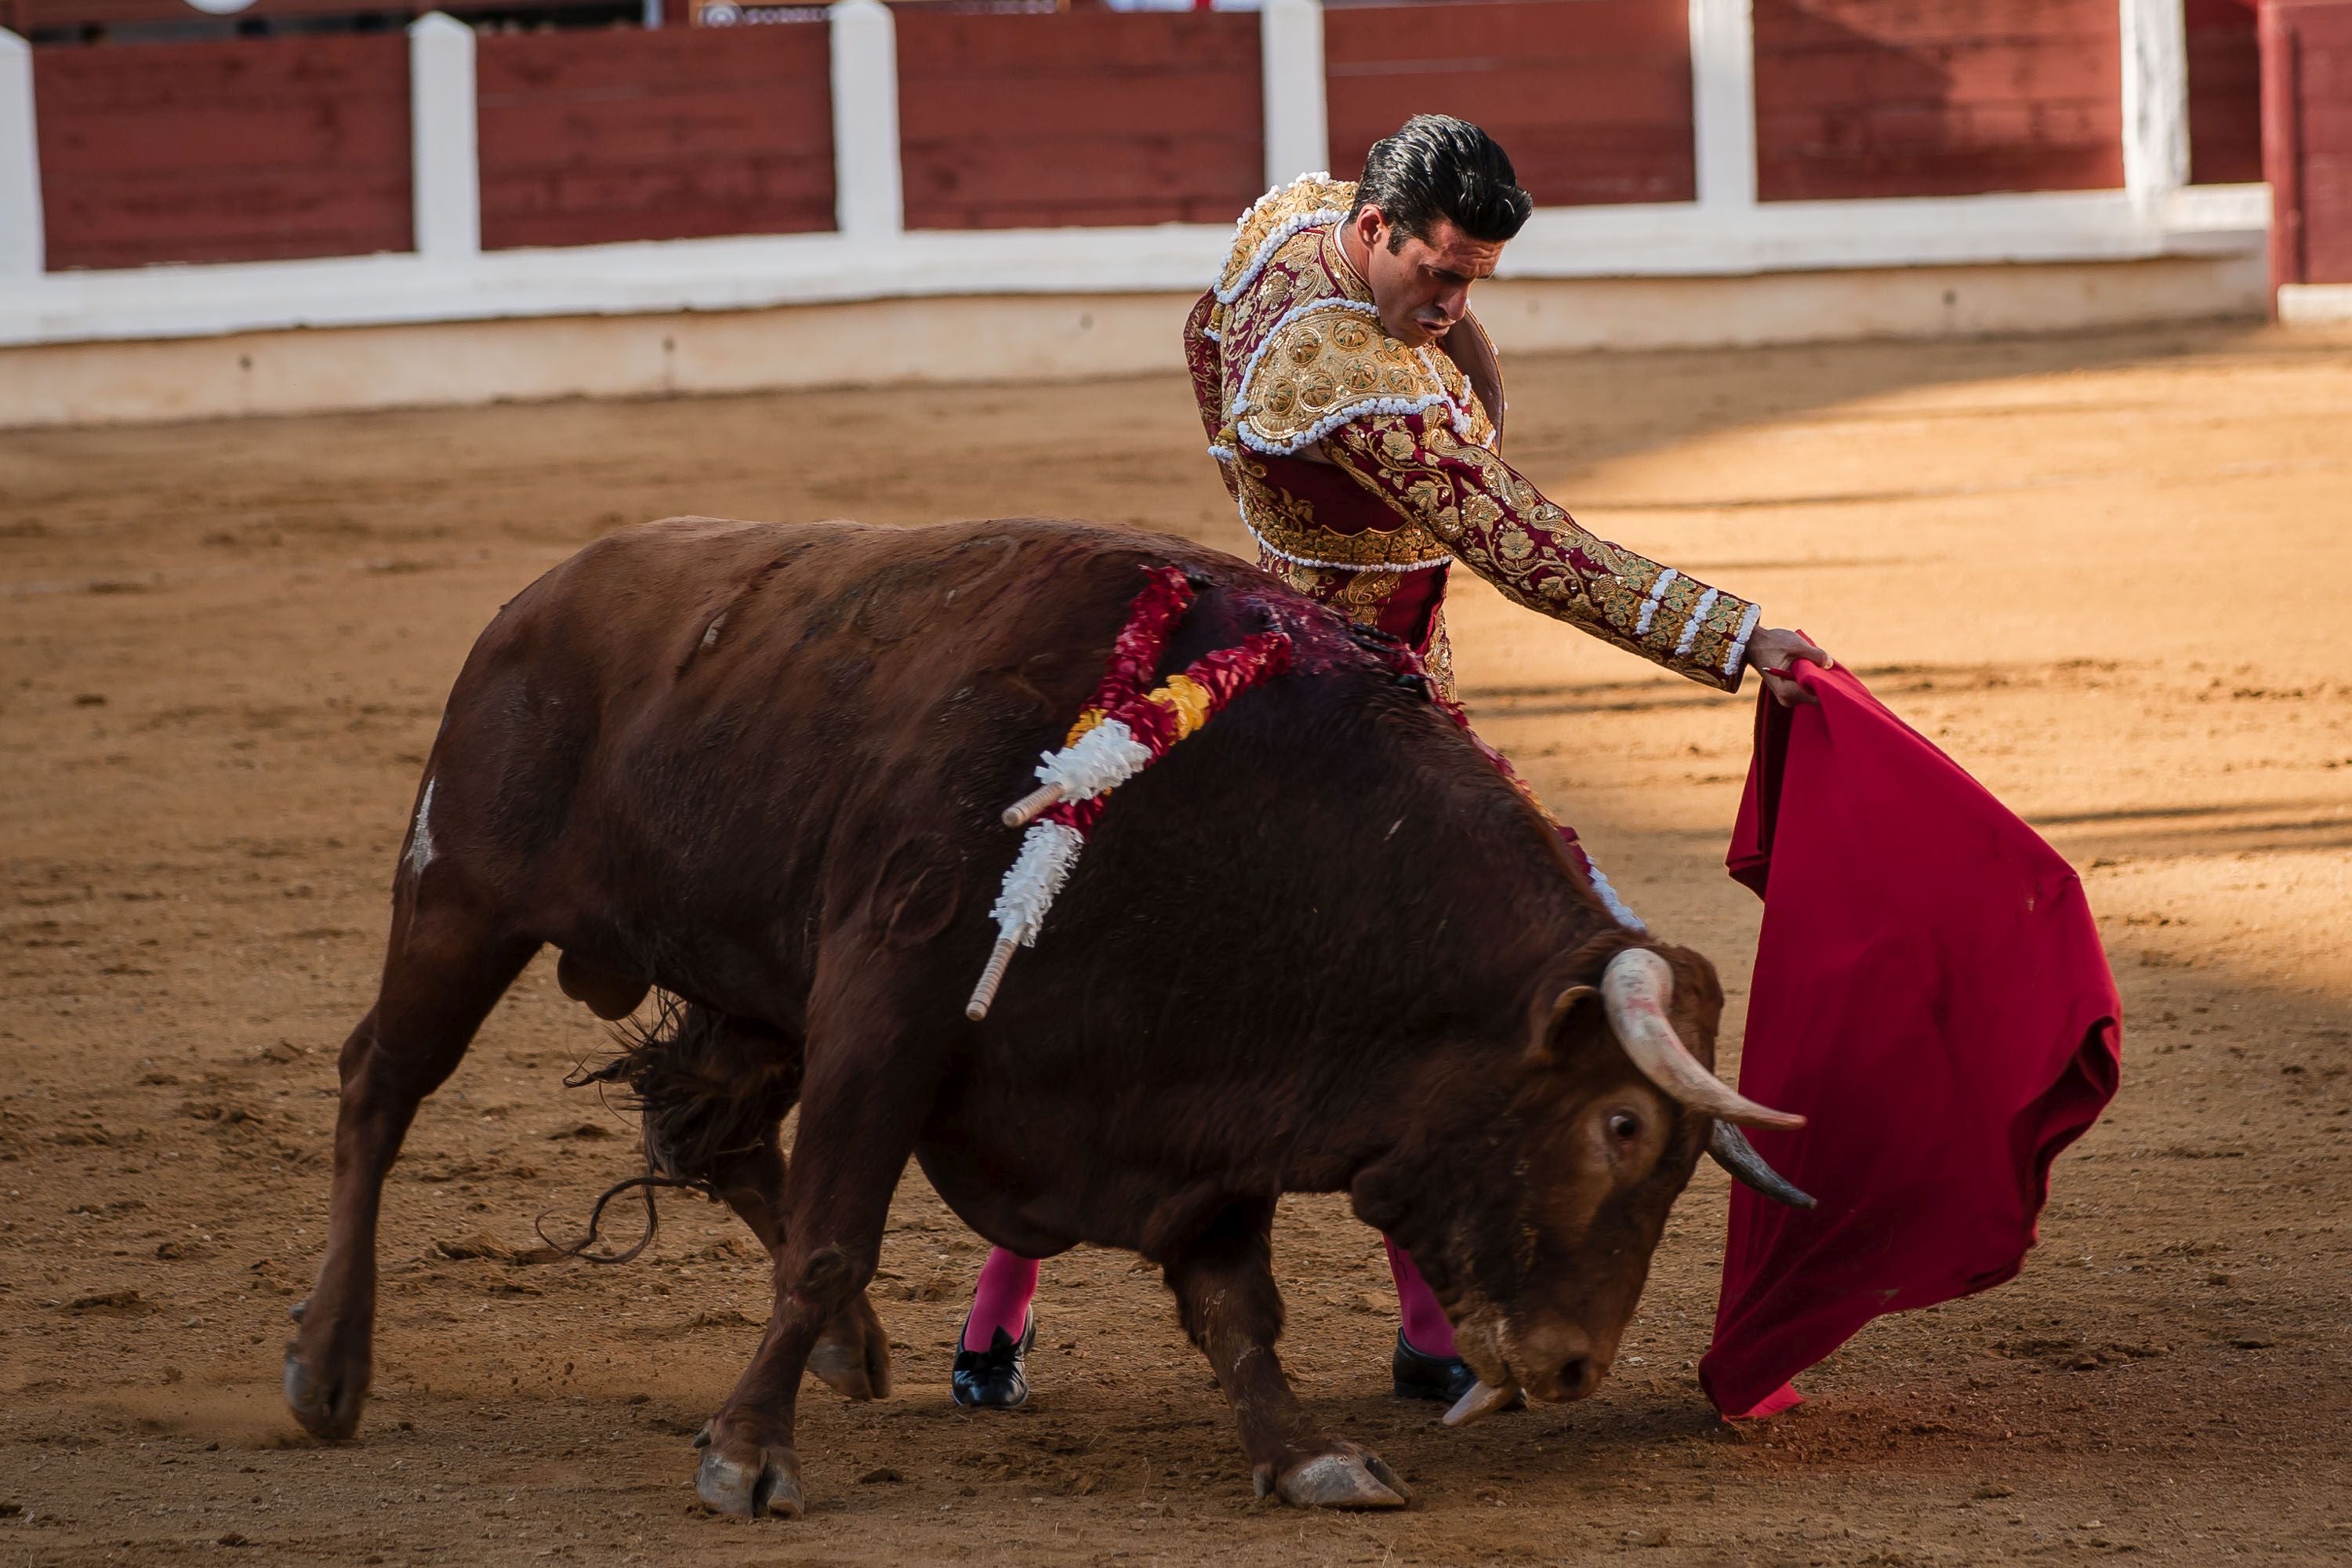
<point>1624,1126</point>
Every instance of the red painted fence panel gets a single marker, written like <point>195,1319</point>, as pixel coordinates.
<point>1590,98</point>
<point>1936,97</point>
<point>29,15</point>
<point>2307,138</point>
<point>588,137</point>
<point>254,150</point>
<point>1078,118</point>
<point>2225,93</point>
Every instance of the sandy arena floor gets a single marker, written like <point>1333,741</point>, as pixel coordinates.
<point>2107,573</point>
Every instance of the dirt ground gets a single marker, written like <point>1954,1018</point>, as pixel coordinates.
<point>2109,573</point>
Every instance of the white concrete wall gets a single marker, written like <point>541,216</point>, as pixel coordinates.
<point>1039,338</point>
<point>451,323</point>
<point>1725,231</point>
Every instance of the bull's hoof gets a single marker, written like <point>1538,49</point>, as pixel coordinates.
<point>764,1482</point>
<point>853,1359</point>
<point>327,1405</point>
<point>1352,1479</point>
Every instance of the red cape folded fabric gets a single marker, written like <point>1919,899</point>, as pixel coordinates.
<point>1930,992</point>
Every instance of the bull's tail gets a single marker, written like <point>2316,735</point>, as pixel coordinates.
<point>710,1091</point>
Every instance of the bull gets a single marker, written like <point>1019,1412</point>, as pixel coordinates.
<point>1323,946</point>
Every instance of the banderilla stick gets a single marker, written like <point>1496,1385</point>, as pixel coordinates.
<point>984,993</point>
<point>1033,805</point>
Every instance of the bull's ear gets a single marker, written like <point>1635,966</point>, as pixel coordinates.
<point>1551,1018</point>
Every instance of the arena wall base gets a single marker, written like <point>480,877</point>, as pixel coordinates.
<point>1032,338</point>
<point>2314,304</point>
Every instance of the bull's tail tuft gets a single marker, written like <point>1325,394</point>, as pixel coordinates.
<point>708,1088</point>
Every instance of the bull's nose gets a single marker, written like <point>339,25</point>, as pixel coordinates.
<point>1578,1376</point>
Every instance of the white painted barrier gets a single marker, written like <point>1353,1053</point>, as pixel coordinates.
<point>1726,232</point>
<point>869,201</point>
<point>21,245</point>
<point>447,177</point>
<point>1290,65</point>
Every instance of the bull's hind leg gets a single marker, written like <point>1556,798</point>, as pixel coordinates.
<point>447,968</point>
<point>1225,1295</point>
<point>871,1076</point>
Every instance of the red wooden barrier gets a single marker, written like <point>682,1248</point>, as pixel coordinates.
<point>2307,138</point>
<point>2225,93</point>
<point>1092,118</point>
<point>1590,98</point>
<point>1936,97</point>
<point>598,136</point>
<point>245,151</point>
<point>24,15</point>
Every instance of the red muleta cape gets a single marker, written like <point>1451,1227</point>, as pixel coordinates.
<point>1930,991</point>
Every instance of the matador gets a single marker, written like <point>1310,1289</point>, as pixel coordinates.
<point>1355,409</point>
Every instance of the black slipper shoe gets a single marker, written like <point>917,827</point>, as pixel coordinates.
<point>1420,1376</point>
<point>995,1378</point>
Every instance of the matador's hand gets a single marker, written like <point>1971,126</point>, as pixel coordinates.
<point>1771,650</point>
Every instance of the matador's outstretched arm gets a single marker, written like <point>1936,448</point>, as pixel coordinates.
<point>1502,527</point>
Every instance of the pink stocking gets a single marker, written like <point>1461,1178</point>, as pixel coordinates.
<point>1000,1298</point>
<point>1425,1328</point>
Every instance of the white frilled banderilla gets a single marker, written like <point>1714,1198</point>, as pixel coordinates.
<point>1124,730</point>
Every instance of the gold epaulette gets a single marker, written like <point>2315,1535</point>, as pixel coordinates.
<point>1330,363</point>
<point>1311,201</point>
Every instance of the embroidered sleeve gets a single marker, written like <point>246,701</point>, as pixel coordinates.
<point>1204,358</point>
<point>1502,527</point>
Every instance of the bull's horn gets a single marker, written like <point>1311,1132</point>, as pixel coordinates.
<point>1735,1153</point>
<point>1480,1401</point>
<point>1636,989</point>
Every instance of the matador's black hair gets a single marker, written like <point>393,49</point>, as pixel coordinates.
<point>1437,166</point>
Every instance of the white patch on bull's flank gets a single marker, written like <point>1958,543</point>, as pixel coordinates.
<point>420,834</point>
<point>710,633</point>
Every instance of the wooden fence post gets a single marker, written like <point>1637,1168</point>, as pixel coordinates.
<point>2283,146</point>
<point>1290,65</point>
<point>22,249</point>
<point>2155,100</point>
<point>446,168</point>
<point>869,185</point>
<point>1723,102</point>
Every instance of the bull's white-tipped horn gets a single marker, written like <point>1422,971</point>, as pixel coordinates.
<point>1735,1153</point>
<point>1636,989</point>
<point>1480,1401</point>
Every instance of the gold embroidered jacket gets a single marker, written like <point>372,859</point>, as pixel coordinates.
<point>1363,467</point>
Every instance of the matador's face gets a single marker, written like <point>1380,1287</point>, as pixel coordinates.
<point>1421,287</point>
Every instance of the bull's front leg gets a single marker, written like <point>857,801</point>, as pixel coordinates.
<point>871,1077</point>
<point>1225,1295</point>
<point>852,1357</point>
<point>714,1090</point>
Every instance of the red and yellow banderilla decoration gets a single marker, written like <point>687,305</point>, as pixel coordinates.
<point>1121,732</point>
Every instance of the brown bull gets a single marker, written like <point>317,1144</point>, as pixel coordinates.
<point>1324,946</point>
